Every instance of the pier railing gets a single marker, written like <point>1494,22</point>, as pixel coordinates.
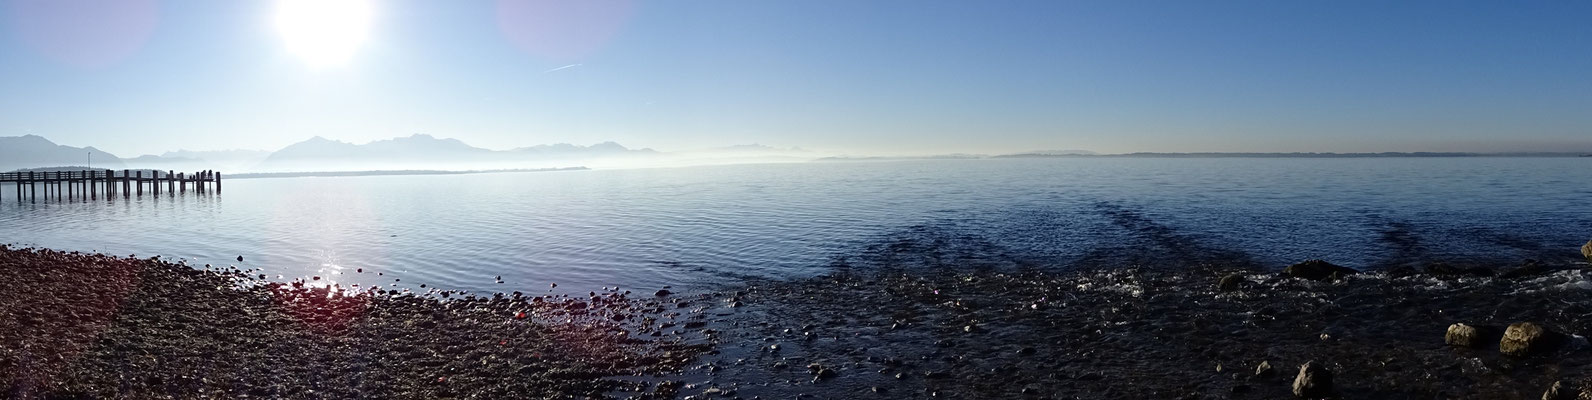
<point>93,184</point>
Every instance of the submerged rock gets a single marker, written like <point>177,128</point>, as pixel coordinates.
<point>1465,335</point>
<point>1529,268</point>
<point>1314,381</point>
<point>1445,269</point>
<point>1230,282</point>
<point>1317,270</point>
<point>1525,338</point>
<point>1401,271</point>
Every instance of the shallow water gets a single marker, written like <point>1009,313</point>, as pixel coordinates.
<point>701,225</point>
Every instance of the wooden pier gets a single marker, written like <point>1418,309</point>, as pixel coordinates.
<point>107,184</point>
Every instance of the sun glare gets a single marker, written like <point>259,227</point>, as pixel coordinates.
<point>323,32</point>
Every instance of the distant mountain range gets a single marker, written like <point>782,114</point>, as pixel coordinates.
<point>31,151</point>
<point>1090,154</point>
<point>426,152</point>
<point>320,154</point>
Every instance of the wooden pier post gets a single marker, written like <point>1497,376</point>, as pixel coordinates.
<point>87,185</point>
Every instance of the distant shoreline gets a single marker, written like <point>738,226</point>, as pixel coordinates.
<point>261,175</point>
<point>1218,155</point>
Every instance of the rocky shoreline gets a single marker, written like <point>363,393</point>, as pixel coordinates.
<point>1209,333</point>
<point>95,326</point>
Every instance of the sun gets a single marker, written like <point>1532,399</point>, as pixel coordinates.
<point>323,32</point>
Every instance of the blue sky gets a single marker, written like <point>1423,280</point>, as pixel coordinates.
<point>862,77</point>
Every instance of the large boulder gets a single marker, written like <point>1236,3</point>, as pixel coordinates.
<point>1317,270</point>
<point>1314,381</point>
<point>1524,338</point>
<point>1466,335</point>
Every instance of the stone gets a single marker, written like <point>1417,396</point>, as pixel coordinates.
<point>1466,335</point>
<point>1524,338</point>
<point>1230,282</point>
<point>1586,251</point>
<point>822,374</point>
<point>1317,270</point>
<point>1264,370</point>
<point>662,292</point>
<point>1314,381</point>
<point>1559,391</point>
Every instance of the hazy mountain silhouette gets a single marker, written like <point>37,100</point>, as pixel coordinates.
<point>185,160</point>
<point>426,151</point>
<point>566,150</point>
<point>758,148</point>
<point>33,151</point>
<point>154,159</point>
<point>216,155</point>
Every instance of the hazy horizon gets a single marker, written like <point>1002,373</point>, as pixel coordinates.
<point>865,78</point>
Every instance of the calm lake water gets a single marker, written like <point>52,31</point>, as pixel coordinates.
<point>646,228</point>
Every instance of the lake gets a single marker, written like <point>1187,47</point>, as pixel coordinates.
<point>696,226</point>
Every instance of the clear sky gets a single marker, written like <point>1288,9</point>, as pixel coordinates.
<point>874,77</point>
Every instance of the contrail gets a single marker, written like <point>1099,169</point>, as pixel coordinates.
<point>563,67</point>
